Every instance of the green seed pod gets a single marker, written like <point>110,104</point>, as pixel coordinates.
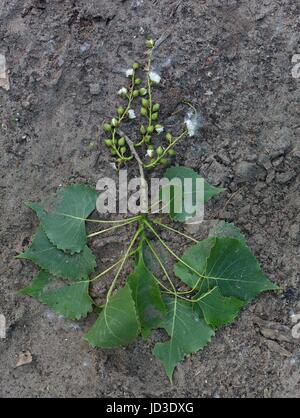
<point>121,141</point>
<point>135,93</point>
<point>164,161</point>
<point>155,116</point>
<point>123,150</point>
<point>113,151</point>
<point>108,142</point>
<point>159,151</point>
<point>120,110</point>
<point>144,111</point>
<point>145,103</point>
<point>142,91</point>
<point>169,137</point>
<point>172,152</point>
<point>137,81</point>
<point>135,66</point>
<point>107,127</point>
<point>114,122</point>
<point>150,129</point>
<point>147,139</point>
<point>156,107</point>
<point>143,130</point>
<point>150,146</point>
<point>149,43</point>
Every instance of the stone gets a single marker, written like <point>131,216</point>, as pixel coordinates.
<point>283,178</point>
<point>296,151</point>
<point>265,161</point>
<point>83,48</point>
<point>217,173</point>
<point>247,172</point>
<point>283,143</point>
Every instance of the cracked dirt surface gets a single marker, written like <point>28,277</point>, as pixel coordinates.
<point>233,60</point>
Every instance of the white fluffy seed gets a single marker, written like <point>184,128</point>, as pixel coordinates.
<point>131,114</point>
<point>122,91</point>
<point>193,122</point>
<point>129,72</point>
<point>154,76</point>
<point>150,153</point>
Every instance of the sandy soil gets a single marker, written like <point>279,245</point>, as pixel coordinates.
<point>233,60</point>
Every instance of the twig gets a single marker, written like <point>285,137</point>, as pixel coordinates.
<point>144,188</point>
<point>230,198</point>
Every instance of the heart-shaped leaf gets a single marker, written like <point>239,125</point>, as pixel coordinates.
<point>229,265</point>
<point>117,324</point>
<point>147,296</point>
<point>188,334</point>
<point>37,286</point>
<point>226,229</point>
<point>72,301</point>
<point>43,253</point>
<point>218,310</point>
<point>65,223</point>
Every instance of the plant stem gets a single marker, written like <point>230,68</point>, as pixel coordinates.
<point>178,294</point>
<point>123,262</point>
<point>175,292</point>
<point>100,221</point>
<point>107,270</point>
<point>144,187</point>
<point>175,230</point>
<point>149,116</point>
<point>163,269</point>
<point>201,276</point>
<point>153,163</point>
<point>149,89</point>
<point>121,117</point>
<point>172,252</point>
<point>94,234</point>
<point>103,272</point>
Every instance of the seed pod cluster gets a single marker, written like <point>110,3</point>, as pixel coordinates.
<point>149,114</point>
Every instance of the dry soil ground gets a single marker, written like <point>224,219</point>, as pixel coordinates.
<point>233,60</point>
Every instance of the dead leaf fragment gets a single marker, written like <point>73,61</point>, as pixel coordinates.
<point>24,358</point>
<point>278,349</point>
<point>274,330</point>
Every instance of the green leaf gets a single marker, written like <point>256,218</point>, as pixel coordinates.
<point>147,296</point>
<point>151,261</point>
<point>43,253</point>
<point>217,309</point>
<point>71,301</point>
<point>65,223</point>
<point>230,265</point>
<point>226,229</point>
<point>117,324</point>
<point>37,286</point>
<point>195,256</point>
<point>183,173</point>
<point>188,334</point>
